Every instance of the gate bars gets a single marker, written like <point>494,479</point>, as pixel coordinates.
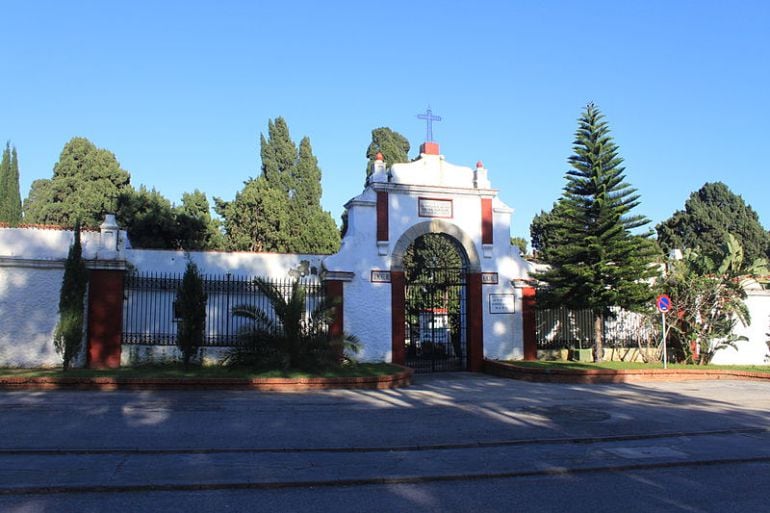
<point>149,316</point>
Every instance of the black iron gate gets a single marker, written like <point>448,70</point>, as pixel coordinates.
<point>436,320</point>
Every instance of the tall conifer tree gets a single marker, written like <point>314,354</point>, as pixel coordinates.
<point>280,210</point>
<point>598,263</point>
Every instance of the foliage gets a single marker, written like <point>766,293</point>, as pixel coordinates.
<point>544,229</point>
<point>10,198</point>
<point>190,307</point>
<point>294,339</point>
<point>520,243</point>
<point>152,222</point>
<point>598,263</point>
<point>85,185</point>
<point>280,210</point>
<point>393,146</point>
<point>708,301</point>
<point>68,337</point>
<point>395,150</point>
<point>709,215</point>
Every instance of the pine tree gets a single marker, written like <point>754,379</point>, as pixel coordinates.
<point>69,331</point>
<point>599,263</point>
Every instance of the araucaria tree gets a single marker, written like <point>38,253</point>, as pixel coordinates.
<point>69,332</point>
<point>598,263</point>
<point>191,310</point>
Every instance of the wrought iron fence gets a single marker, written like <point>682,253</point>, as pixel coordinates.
<point>149,316</point>
<point>562,328</point>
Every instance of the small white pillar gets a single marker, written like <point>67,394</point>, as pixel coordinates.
<point>108,249</point>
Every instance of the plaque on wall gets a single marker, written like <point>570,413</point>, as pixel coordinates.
<point>501,303</point>
<point>489,278</point>
<point>434,207</point>
<point>380,276</point>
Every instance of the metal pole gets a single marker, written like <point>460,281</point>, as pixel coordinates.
<point>663,319</point>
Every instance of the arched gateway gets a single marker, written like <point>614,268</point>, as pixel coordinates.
<point>426,271</point>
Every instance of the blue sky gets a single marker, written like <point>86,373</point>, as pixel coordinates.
<point>180,91</point>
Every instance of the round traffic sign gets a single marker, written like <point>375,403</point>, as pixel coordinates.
<point>663,303</point>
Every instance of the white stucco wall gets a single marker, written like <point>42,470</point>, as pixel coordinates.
<point>754,350</point>
<point>242,264</point>
<point>368,305</point>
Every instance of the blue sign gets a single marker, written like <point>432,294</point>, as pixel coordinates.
<point>663,303</point>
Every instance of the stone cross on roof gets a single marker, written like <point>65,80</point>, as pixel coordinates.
<point>429,118</point>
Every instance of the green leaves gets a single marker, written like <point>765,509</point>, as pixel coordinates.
<point>191,307</point>
<point>709,214</point>
<point>68,336</point>
<point>85,185</point>
<point>10,199</point>
<point>280,210</point>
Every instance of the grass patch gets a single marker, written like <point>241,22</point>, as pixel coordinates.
<point>615,365</point>
<point>176,371</point>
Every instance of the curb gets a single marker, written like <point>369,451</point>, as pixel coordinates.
<point>282,485</point>
<point>599,376</point>
<point>388,381</point>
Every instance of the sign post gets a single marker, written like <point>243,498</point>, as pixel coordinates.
<point>663,304</point>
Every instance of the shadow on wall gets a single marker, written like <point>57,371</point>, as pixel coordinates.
<point>29,300</point>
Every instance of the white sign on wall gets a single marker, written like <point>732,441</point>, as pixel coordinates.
<point>380,276</point>
<point>433,207</point>
<point>501,303</point>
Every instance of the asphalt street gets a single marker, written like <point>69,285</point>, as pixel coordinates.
<point>439,445</point>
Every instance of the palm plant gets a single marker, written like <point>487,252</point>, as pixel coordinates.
<point>292,338</point>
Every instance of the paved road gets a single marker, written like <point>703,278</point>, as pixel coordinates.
<point>447,439</point>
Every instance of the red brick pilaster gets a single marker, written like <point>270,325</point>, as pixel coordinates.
<point>487,232</point>
<point>475,323</point>
<point>105,318</point>
<point>334,293</point>
<point>529,302</point>
<point>397,306</point>
<point>382,216</point>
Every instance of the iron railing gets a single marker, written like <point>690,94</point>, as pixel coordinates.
<point>562,328</point>
<point>149,316</point>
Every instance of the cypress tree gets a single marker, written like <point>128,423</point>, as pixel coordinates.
<point>68,337</point>
<point>5,174</point>
<point>191,307</point>
<point>12,194</point>
<point>598,262</point>
<point>280,209</point>
<point>393,146</point>
<point>85,185</point>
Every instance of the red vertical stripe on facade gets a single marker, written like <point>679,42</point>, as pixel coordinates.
<point>397,305</point>
<point>382,216</point>
<point>529,301</point>
<point>105,318</point>
<point>475,323</point>
<point>487,236</point>
<point>334,293</point>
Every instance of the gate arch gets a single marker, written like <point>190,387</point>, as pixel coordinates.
<point>434,226</point>
<point>444,333</point>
